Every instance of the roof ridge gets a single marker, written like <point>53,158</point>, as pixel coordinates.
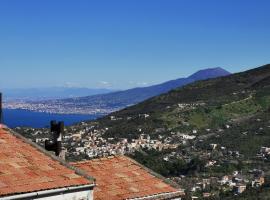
<point>93,159</point>
<point>62,162</point>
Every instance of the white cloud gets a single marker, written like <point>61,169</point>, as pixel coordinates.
<point>142,83</point>
<point>71,84</point>
<point>104,84</point>
<point>133,83</point>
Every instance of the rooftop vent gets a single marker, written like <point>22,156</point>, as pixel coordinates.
<point>55,144</point>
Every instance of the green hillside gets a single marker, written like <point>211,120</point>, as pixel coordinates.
<point>232,112</point>
<point>210,104</point>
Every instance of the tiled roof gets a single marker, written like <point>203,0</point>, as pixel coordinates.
<point>120,178</point>
<point>25,168</point>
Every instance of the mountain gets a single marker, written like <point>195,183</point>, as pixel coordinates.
<point>209,73</point>
<point>106,103</point>
<point>235,100</point>
<point>135,95</point>
<point>50,93</point>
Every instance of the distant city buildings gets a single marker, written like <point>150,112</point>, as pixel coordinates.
<point>60,108</point>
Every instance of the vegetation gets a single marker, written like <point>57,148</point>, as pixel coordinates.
<point>225,100</point>
<point>240,101</point>
<point>153,159</point>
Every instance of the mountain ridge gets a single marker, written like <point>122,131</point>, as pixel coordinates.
<point>199,75</point>
<point>213,93</point>
<point>121,99</point>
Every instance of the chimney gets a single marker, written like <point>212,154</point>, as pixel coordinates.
<point>55,145</point>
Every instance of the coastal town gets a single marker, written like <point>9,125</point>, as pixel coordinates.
<point>54,107</point>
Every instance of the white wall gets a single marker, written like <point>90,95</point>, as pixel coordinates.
<point>80,195</point>
<point>83,195</point>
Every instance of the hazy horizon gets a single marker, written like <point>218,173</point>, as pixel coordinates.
<point>69,86</point>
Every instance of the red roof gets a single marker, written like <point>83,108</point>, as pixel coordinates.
<point>24,168</point>
<point>122,178</point>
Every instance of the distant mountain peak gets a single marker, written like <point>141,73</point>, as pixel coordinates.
<point>209,73</point>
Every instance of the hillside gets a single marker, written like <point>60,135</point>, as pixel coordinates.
<point>209,103</point>
<point>232,113</point>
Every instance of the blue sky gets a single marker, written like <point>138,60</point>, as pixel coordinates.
<point>127,43</point>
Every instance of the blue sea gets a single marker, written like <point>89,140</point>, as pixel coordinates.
<point>24,118</point>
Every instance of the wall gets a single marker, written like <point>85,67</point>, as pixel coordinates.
<point>82,195</point>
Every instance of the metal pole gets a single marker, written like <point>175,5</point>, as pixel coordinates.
<point>1,109</point>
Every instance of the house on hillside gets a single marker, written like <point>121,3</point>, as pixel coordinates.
<point>258,181</point>
<point>239,188</point>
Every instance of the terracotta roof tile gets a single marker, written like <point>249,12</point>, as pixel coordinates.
<point>23,168</point>
<point>120,177</point>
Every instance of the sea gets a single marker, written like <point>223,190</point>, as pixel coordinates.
<point>25,118</point>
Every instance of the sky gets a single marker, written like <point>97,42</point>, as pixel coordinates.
<point>122,44</point>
